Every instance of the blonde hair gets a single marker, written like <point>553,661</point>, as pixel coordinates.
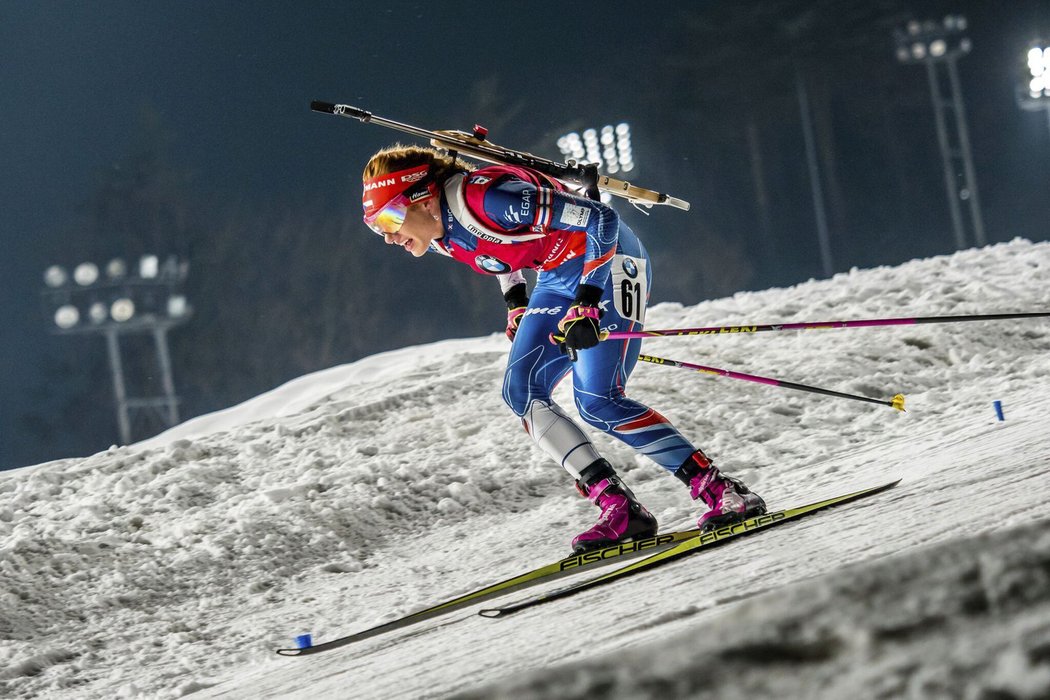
<point>398,157</point>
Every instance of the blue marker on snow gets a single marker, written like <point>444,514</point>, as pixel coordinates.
<point>999,409</point>
<point>304,641</point>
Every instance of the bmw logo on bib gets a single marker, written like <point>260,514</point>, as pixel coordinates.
<point>491,264</point>
<point>630,267</point>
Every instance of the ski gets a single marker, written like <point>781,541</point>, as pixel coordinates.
<point>553,571</point>
<point>685,547</point>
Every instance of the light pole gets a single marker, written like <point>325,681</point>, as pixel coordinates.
<point>936,44</point>
<point>148,301</point>
<point>816,189</point>
<point>1033,89</point>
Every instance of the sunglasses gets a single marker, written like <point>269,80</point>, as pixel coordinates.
<point>390,218</point>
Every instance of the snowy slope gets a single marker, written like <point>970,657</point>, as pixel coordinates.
<point>353,496</point>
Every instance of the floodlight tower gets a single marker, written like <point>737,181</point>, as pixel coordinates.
<point>1033,89</point>
<point>937,44</point>
<point>149,301</point>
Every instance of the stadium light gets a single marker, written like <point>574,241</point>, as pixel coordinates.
<point>55,276</point>
<point>935,44</point>
<point>609,147</point>
<point>116,269</point>
<point>98,312</point>
<point>85,274</point>
<point>148,266</point>
<point>1033,84</point>
<point>149,302</point>
<point>123,310</point>
<point>177,306</point>
<point>67,316</point>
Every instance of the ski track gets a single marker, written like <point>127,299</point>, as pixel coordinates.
<point>176,566</point>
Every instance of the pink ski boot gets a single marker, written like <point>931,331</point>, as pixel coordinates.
<point>623,518</point>
<point>728,500</point>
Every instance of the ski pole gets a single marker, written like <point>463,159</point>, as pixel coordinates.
<point>868,323</point>
<point>896,402</point>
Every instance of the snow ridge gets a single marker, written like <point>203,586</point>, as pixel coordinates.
<point>350,497</point>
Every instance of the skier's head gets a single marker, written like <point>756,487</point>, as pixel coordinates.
<point>399,177</point>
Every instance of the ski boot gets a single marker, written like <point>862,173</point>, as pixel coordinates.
<point>727,499</point>
<point>623,518</point>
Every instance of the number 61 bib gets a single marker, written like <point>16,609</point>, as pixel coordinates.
<point>630,287</point>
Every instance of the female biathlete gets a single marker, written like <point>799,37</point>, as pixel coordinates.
<point>594,275</point>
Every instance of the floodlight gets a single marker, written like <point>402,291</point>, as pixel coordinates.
<point>938,44</point>
<point>177,306</point>
<point>149,266</point>
<point>122,310</point>
<point>83,304</point>
<point>67,316</point>
<point>608,146</point>
<point>1037,84</point>
<point>1036,79</point>
<point>55,276</point>
<point>86,274</point>
<point>98,312</point>
<point>116,269</point>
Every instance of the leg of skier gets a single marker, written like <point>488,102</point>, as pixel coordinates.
<point>599,379</point>
<point>534,369</point>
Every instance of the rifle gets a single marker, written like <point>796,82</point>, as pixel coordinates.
<point>477,145</point>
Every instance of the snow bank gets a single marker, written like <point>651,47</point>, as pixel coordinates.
<point>969,618</point>
<point>354,496</point>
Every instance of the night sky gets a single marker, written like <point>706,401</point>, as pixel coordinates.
<point>232,82</point>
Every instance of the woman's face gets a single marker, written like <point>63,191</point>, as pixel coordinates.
<point>422,225</point>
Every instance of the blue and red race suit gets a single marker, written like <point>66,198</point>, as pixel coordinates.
<point>500,220</point>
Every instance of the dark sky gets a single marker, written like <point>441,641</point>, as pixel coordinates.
<point>233,81</point>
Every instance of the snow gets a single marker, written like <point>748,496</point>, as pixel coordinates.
<point>356,495</point>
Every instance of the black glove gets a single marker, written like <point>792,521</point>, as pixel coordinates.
<point>579,326</point>
<point>517,299</point>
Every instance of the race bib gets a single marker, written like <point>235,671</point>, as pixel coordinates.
<point>630,287</point>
